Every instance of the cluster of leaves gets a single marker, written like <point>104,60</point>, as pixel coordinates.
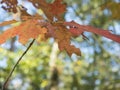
<point>52,26</point>
<point>111,5</point>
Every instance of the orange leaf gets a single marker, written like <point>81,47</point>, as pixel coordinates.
<point>7,22</point>
<point>25,31</point>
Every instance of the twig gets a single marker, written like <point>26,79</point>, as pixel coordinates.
<point>10,74</point>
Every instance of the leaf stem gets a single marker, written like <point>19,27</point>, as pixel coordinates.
<point>10,74</point>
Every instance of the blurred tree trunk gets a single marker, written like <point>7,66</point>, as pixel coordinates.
<point>54,80</point>
<point>12,44</point>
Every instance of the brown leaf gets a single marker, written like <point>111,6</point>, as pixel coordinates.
<point>82,28</point>
<point>57,8</point>
<point>63,36</point>
<point>70,49</point>
<point>11,5</point>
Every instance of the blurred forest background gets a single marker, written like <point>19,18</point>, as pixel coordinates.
<point>45,68</point>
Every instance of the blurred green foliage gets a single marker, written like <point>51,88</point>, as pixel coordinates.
<point>45,68</point>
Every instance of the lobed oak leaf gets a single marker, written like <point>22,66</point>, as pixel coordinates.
<point>25,31</point>
<point>63,36</point>
<point>82,28</point>
<point>57,7</point>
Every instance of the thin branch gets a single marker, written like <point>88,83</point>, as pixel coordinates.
<point>10,74</point>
